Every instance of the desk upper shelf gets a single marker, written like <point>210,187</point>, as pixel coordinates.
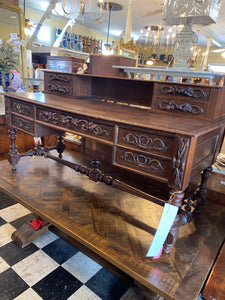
<point>198,101</point>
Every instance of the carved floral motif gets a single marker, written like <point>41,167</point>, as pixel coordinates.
<point>59,77</point>
<point>185,107</point>
<point>59,89</point>
<point>142,161</point>
<point>145,142</point>
<point>188,92</point>
<point>71,122</point>
<point>179,161</point>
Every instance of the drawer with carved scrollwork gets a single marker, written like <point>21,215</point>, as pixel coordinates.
<point>76,123</point>
<point>59,78</point>
<point>59,89</point>
<point>181,106</point>
<point>22,108</point>
<point>149,141</point>
<point>182,91</point>
<point>59,84</point>
<point>23,124</point>
<point>181,99</point>
<point>147,164</point>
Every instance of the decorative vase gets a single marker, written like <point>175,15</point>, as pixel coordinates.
<point>5,81</point>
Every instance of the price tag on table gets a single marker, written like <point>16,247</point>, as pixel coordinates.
<point>165,224</point>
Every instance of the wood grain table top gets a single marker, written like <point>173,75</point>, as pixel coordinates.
<point>118,226</point>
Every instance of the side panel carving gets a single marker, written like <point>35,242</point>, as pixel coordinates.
<point>179,161</point>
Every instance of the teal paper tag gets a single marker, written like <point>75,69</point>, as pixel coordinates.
<point>165,224</point>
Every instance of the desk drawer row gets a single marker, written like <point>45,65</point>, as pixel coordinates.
<point>145,151</point>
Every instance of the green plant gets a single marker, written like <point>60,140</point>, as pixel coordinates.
<point>7,64</point>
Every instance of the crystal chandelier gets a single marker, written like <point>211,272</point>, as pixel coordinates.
<point>157,43</point>
<point>72,8</point>
<point>158,37</point>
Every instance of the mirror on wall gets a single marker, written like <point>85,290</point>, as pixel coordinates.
<point>12,21</point>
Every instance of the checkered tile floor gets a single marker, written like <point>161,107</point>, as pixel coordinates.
<point>49,268</point>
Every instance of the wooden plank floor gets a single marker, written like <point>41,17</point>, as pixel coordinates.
<point>118,226</point>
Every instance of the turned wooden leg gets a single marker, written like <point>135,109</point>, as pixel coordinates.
<point>13,155</point>
<point>201,193</point>
<point>176,198</point>
<point>60,147</point>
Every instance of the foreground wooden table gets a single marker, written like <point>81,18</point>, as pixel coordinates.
<point>116,226</point>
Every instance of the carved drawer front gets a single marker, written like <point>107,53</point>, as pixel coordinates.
<point>59,84</point>
<point>23,124</point>
<point>181,106</point>
<point>152,141</point>
<point>142,163</point>
<point>22,108</point>
<point>58,78</point>
<point>182,91</point>
<point>59,89</point>
<point>76,123</point>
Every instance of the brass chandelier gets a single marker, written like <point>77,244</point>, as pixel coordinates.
<point>73,8</point>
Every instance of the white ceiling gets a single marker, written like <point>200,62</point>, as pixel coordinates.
<point>145,12</point>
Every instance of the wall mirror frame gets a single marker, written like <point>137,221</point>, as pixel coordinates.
<point>16,9</point>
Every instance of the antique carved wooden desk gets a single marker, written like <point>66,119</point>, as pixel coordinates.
<point>165,131</point>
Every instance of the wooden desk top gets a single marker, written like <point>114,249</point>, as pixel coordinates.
<point>120,113</point>
<point>117,226</point>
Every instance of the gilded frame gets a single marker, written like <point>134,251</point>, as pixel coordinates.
<point>20,13</point>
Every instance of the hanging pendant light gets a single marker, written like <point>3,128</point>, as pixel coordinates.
<point>110,6</point>
<point>72,8</point>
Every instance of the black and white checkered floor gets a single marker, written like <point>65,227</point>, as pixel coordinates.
<point>49,268</point>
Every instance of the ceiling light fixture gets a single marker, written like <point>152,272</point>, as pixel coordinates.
<point>110,6</point>
<point>149,62</point>
<point>73,8</point>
